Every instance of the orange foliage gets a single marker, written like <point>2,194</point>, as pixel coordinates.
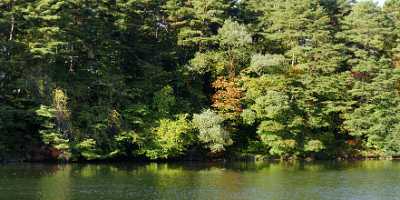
<point>352,142</point>
<point>54,153</point>
<point>360,75</point>
<point>227,96</point>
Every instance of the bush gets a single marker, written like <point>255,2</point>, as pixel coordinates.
<point>171,138</point>
<point>211,131</point>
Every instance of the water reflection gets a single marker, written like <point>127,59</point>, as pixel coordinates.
<point>276,180</point>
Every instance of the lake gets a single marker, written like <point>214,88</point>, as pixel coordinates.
<point>296,180</point>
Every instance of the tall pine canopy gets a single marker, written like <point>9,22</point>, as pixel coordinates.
<point>196,79</point>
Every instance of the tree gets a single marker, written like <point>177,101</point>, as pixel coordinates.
<point>366,33</point>
<point>90,80</point>
<point>375,117</point>
<point>369,38</point>
<point>171,138</point>
<point>18,126</point>
<point>392,10</point>
<point>211,131</point>
<point>295,90</point>
<point>196,21</point>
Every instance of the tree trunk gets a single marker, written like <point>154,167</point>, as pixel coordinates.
<point>12,22</point>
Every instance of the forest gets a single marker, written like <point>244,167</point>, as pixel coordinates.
<point>94,80</point>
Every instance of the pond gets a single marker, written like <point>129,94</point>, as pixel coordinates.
<point>296,180</point>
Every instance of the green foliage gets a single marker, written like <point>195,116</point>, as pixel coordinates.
<point>233,35</point>
<point>87,148</point>
<point>171,138</point>
<point>51,134</point>
<point>376,116</point>
<point>90,80</point>
<point>249,116</point>
<point>366,32</point>
<point>196,20</point>
<point>314,146</point>
<point>127,137</point>
<point>164,100</point>
<point>279,146</point>
<point>211,131</point>
<point>233,42</point>
<point>264,64</point>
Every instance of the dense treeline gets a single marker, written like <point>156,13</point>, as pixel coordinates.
<point>163,79</point>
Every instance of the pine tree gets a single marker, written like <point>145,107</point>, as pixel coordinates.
<point>197,21</point>
<point>369,37</point>
<point>18,130</point>
<point>392,11</point>
<point>366,32</point>
<point>299,75</point>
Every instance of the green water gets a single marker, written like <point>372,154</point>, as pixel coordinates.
<point>326,180</point>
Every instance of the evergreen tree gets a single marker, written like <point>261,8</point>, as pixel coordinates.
<point>392,11</point>
<point>297,92</point>
<point>369,38</point>
<point>84,80</point>
<point>196,21</point>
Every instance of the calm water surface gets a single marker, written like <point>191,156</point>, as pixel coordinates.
<point>326,180</point>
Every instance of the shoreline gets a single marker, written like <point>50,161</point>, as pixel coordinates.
<point>242,158</point>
